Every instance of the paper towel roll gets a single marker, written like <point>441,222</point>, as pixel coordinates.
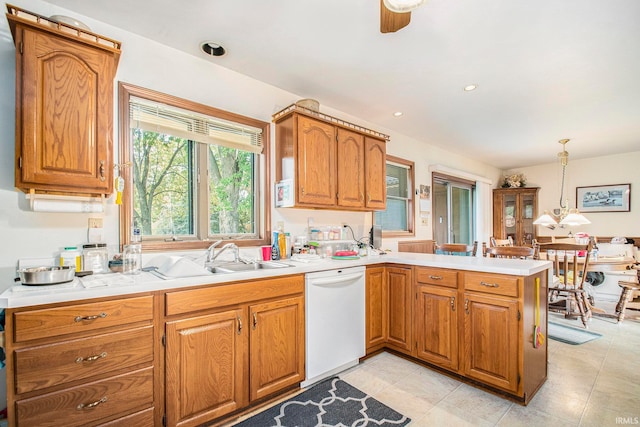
<point>53,205</point>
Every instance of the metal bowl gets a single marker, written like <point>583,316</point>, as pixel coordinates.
<point>46,275</point>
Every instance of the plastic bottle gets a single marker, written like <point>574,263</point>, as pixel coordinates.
<point>71,256</point>
<point>275,248</point>
<point>282,245</point>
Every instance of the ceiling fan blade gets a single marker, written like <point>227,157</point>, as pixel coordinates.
<point>390,22</point>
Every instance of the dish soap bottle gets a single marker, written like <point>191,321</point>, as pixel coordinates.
<point>275,247</point>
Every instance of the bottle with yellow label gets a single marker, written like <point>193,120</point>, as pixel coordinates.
<point>71,256</point>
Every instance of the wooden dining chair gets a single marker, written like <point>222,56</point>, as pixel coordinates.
<point>629,297</point>
<point>570,262</point>
<point>458,249</point>
<point>515,252</point>
<point>493,242</point>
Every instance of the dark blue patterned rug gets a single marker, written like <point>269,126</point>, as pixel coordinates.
<point>331,402</point>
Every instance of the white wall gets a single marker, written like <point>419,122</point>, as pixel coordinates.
<point>613,169</point>
<point>148,64</point>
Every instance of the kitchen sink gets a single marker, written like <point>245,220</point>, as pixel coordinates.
<point>237,267</point>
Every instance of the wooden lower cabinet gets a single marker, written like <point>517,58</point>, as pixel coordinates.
<point>399,311</point>
<point>276,346</point>
<point>223,360</point>
<point>436,326</point>
<point>491,340</point>
<point>206,367</point>
<point>79,364</point>
<point>376,306</point>
<point>478,326</point>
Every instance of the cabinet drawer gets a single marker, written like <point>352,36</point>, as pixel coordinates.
<point>232,294</point>
<point>70,319</point>
<point>142,418</point>
<point>491,283</point>
<point>86,404</point>
<point>48,365</point>
<point>437,276</point>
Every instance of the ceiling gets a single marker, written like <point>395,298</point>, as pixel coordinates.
<point>545,69</point>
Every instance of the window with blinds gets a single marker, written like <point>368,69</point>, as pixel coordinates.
<point>194,176</point>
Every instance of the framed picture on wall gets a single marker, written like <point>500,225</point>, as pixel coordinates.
<point>604,198</point>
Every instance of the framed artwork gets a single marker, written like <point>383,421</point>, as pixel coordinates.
<point>604,198</point>
<point>284,193</point>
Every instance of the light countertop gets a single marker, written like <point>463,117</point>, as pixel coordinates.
<point>110,285</point>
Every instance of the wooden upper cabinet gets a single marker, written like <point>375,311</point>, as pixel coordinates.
<point>351,165</point>
<point>64,110</point>
<point>316,162</point>
<point>333,164</point>
<point>375,166</point>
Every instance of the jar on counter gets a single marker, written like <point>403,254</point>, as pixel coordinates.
<point>95,257</point>
<point>71,256</point>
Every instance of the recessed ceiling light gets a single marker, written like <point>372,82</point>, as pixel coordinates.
<point>397,114</point>
<point>469,88</point>
<point>212,48</point>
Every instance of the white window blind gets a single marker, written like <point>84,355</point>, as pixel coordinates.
<point>156,117</point>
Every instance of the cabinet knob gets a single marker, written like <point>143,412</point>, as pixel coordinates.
<point>453,303</point>
<point>255,320</point>
<point>102,177</point>
<point>239,325</point>
<point>466,305</point>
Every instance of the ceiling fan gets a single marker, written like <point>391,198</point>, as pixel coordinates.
<point>396,14</point>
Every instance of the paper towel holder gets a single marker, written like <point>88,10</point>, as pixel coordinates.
<point>87,204</point>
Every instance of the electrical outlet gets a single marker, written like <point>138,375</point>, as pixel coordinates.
<point>95,222</point>
<point>280,226</point>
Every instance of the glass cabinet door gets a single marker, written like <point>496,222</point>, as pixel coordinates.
<point>509,215</point>
<point>528,216</point>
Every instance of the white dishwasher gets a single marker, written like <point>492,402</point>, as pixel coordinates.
<point>335,321</point>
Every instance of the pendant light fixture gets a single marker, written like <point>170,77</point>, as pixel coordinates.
<point>562,216</point>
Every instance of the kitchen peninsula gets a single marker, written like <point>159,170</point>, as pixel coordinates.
<point>140,352</point>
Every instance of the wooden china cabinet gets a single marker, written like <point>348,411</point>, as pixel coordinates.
<point>514,210</point>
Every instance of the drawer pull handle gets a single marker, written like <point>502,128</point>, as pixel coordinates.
<point>255,321</point>
<point>239,325</point>
<point>432,277</point>
<point>466,305</point>
<point>87,318</point>
<point>91,405</point>
<point>453,303</point>
<point>490,285</point>
<point>92,358</point>
<point>102,177</point>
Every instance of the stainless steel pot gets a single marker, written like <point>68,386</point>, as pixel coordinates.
<point>46,275</point>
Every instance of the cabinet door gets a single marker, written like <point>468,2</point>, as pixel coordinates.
<point>316,166</point>
<point>399,289</point>
<point>437,326</point>
<point>491,340</point>
<point>65,115</point>
<point>351,178</point>
<point>276,345</point>
<point>375,160</point>
<point>206,360</point>
<point>376,308</point>
<point>528,211</point>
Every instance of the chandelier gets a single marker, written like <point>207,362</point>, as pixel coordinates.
<point>562,216</point>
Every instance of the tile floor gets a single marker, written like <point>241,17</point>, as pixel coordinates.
<point>593,384</point>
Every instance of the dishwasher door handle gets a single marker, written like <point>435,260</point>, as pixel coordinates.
<point>335,280</point>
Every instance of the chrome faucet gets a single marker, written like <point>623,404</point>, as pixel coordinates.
<point>211,256</point>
